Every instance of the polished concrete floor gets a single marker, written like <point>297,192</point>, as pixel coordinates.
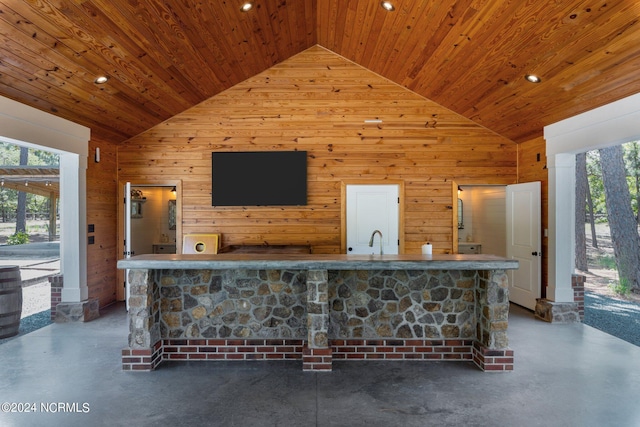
<point>565,375</point>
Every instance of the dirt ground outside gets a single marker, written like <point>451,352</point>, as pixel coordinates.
<point>602,276</point>
<point>36,229</point>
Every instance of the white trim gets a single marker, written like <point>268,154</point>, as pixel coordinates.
<point>27,126</point>
<point>612,124</point>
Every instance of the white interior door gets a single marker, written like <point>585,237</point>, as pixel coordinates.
<point>127,237</point>
<point>371,208</point>
<point>523,242</point>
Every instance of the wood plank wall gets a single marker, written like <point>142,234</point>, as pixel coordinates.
<point>532,166</point>
<point>317,101</point>
<point>101,211</point>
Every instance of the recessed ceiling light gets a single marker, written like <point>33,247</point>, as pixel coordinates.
<point>246,7</point>
<point>532,78</point>
<point>388,6</point>
<point>101,80</point>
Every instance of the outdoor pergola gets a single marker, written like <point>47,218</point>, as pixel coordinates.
<point>40,180</point>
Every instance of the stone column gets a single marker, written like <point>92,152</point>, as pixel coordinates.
<point>491,348</point>
<point>317,355</point>
<point>493,309</point>
<point>144,352</point>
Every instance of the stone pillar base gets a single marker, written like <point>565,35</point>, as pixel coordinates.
<point>83,311</point>
<point>557,312</point>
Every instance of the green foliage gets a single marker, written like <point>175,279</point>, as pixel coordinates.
<point>19,238</point>
<point>10,156</point>
<point>621,288</point>
<point>607,261</point>
<point>36,205</point>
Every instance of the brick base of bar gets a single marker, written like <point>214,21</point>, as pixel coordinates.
<point>142,359</point>
<point>317,359</point>
<point>490,360</point>
<point>394,349</point>
<point>314,359</point>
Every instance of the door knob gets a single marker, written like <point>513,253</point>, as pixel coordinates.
<point>534,253</point>
<point>350,249</point>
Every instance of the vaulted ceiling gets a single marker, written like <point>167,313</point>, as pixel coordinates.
<point>471,56</point>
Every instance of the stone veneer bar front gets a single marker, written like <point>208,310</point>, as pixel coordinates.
<point>318,308</point>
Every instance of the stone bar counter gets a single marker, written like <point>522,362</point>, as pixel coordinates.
<point>318,308</point>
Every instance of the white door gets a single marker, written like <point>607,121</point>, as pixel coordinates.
<point>371,208</point>
<point>127,237</point>
<point>523,242</point>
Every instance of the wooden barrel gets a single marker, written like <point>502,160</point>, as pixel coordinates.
<point>10,300</point>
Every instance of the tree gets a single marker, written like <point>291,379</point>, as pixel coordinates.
<point>632,160</point>
<point>596,190</point>
<point>582,187</point>
<point>622,222</point>
<point>592,217</point>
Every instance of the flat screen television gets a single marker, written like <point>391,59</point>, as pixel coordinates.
<point>258,178</point>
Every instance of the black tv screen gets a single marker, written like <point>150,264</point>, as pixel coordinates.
<point>259,178</point>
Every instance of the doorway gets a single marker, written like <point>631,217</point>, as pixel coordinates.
<point>153,221</point>
<point>371,207</point>
<point>506,221</point>
<point>152,213</point>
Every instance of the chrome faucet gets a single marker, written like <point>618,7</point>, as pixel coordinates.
<point>371,240</point>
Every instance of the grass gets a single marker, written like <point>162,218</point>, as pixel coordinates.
<point>607,262</point>
<point>621,287</point>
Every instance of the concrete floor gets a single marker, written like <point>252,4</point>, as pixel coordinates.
<point>565,375</point>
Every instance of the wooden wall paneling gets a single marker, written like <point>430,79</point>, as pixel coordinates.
<point>318,101</point>
<point>101,201</point>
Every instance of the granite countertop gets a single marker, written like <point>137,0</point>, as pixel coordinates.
<point>318,262</point>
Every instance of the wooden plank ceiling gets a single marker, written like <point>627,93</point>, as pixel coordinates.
<point>470,56</point>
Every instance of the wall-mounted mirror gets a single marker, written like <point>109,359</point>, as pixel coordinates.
<point>172,214</point>
<point>136,208</point>
<point>460,215</point>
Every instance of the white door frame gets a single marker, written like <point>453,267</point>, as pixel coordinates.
<point>523,224</point>
<point>343,209</point>
<point>122,223</point>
